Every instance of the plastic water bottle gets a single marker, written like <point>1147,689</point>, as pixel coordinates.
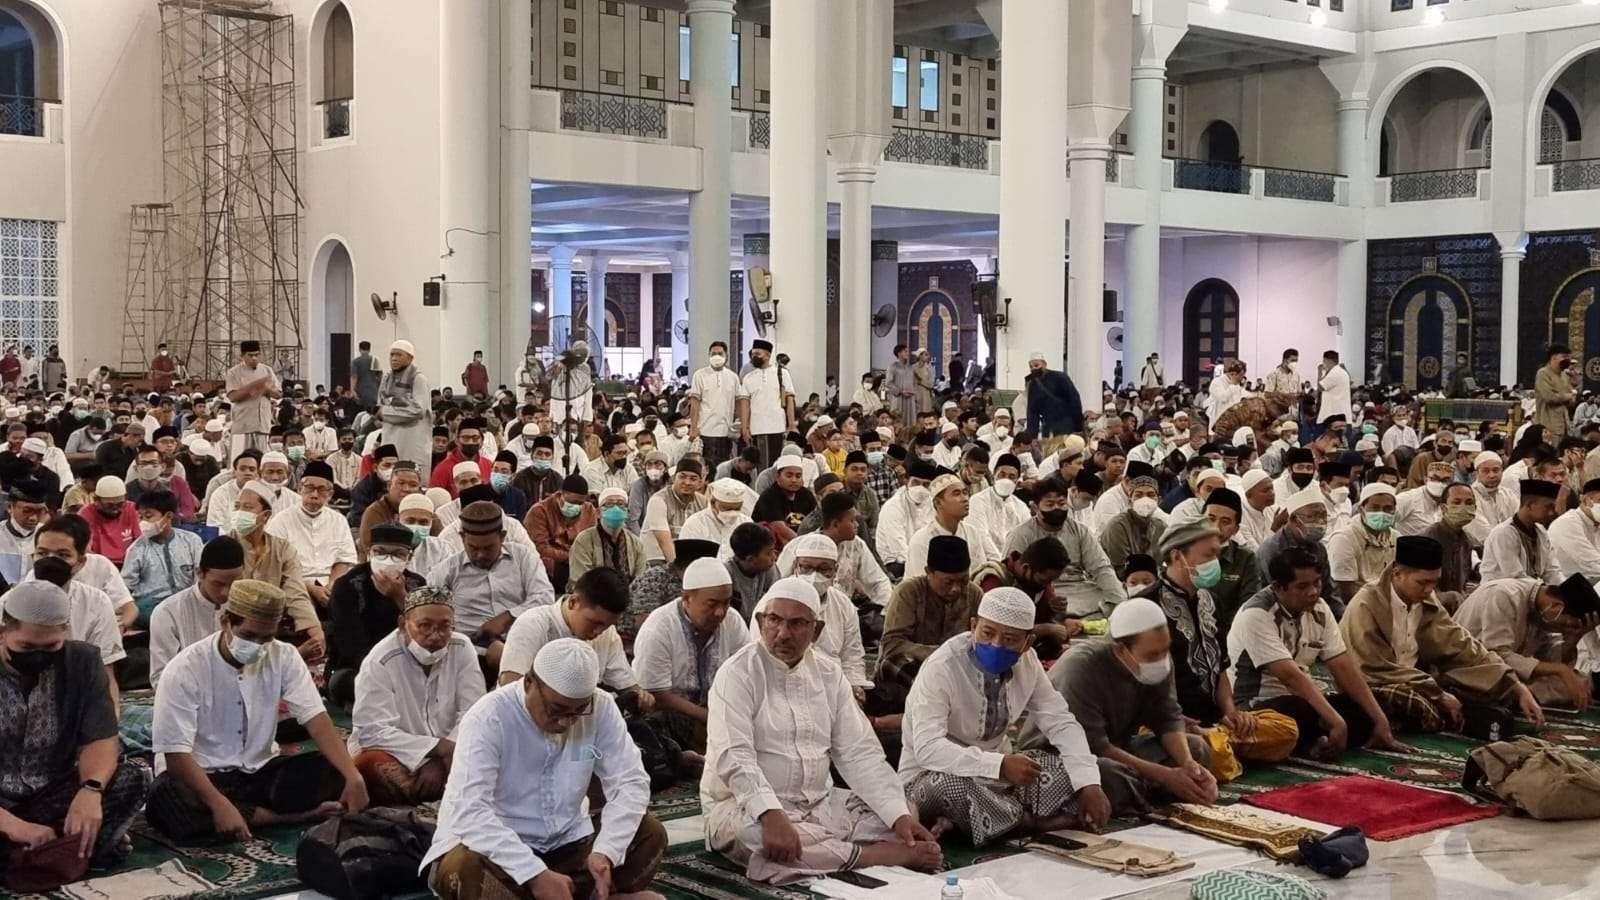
<point>952,889</point>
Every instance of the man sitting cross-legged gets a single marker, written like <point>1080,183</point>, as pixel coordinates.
<point>216,716</point>
<point>781,714</point>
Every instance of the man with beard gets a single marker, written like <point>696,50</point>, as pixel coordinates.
<point>403,407</point>
<point>469,447</point>
<point>1053,404</point>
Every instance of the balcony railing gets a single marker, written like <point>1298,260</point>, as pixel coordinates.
<point>1575,175</point>
<point>1205,175</point>
<point>1112,167</point>
<point>938,148</point>
<point>614,114</point>
<point>1436,184</point>
<point>335,118</point>
<point>760,130</point>
<point>22,115</point>
<point>1295,184</point>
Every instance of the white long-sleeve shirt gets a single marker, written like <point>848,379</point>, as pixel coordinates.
<point>980,549</point>
<point>516,792</point>
<point>774,731</point>
<point>543,624</point>
<point>321,541</point>
<point>1576,539</point>
<point>402,708</point>
<point>1415,511</point>
<point>1335,394</point>
<point>1113,502</point>
<point>995,516</point>
<point>857,571</point>
<point>665,659</point>
<point>516,583</point>
<point>180,620</point>
<point>841,637</point>
<point>898,521</point>
<point>1397,437</point>
<point>227,718</point>
<point>1504,557</point>
<point>706,526</point>
<point>320,443</point>
<point>943,725</point>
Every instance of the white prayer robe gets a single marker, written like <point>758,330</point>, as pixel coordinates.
<point>543,624</point>
<point>706,526</point>
<point>321,541</point>
<point>403,708</point>
<point>1113,502</point>
<point>980,549</point>
<point>898,522</point>
<point>772,735</point>
<point>995,516</point>
<point>180,620</point>
<point>858,571</point>
<point>515,792</point>
<point>1504,557</point>
<point>1576,539</point>
<point>665,660</point>
<point>1415,511</point>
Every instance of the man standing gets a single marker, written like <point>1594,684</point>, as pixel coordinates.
<point>1054,409</point>
<point>364,377</point>
<point>1150,375</point>
<point>161,369</point>
<point>1334,382</point>
<point>766,403</point>
<point>1553,394</point>
<point>403,410</point>
<point>781,717</point>
<point>903,386</point>
<point>475,377</point>
<point>250,386</point>
<point>713,403</point>
<point>1285,379</point>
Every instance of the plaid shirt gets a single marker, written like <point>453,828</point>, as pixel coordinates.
<point>881,479</point>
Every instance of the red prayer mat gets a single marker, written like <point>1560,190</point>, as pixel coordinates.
<point>1384,810</point>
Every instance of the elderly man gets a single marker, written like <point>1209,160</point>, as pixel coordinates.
<point>720,518</point>
<point>250,387</point>
<point>589,613</point>
<point>365,605</point>
<point>1305,526</point>
<point>1520,547</point>
<point>926,610</point>
<point>1422,665</point>
<point>669,508</point>
<point>319,536</point>
<point>681,645</point>
<point>816,559</point>
<point>1089,584</point>
<point>1279,634</point>
<point>271,559</point>
<point>958,765</point>
<point>1359,551</point>
<point>404,480</point>
<point>1137,529</point>
<point>493,580</point>
<point>59,757</point>
<point>216,714</point>
<point>1121,693</point>
<point>1258,513</point>
<point>193,614</point>
<point>513,821</point>
<point>1497,501</point>
<point>410,695</point>
<point>950,505</point>
<point>554,524</point>
<point>607,543</point>
<point>782,716</point>
<point>403,407</point>
<point>1418,509</point>
<point>1513,617</point>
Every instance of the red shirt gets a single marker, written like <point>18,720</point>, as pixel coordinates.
<point>10,368</point>
<point>476,378</point>
<point>111,537</point>
<point>441,477</point>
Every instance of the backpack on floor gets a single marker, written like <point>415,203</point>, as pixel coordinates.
<point>1543,781</point>
<point>366,856</point>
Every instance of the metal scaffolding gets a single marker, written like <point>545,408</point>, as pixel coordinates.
<point>232,178</point>
<point>143,304</point>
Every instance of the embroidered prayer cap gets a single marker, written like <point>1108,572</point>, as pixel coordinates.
<point>1487,456</point>
<point>251,599</point>
<point>1376,489</point>
<point>110,486</point>
<point>1008,606</point>
<point>948,554</point>
<point>569,667</point>
<point>1310,495</point>
<point>796,588</point>
<point>727,490</point>
<point>815,545</point>
<point>944,483</point>
<point>1227,499</point>
<point>274,456</point>
<point>436,496</point>
<point>393,533</point>
<point>1578,596</point>
<point>613,493</point>
<point>1135,616</point>
<point>35,445</point>
<point>403,346</point>
<point>1036,355</point>
<point>1244,436</point>
<point>317,469</point>
<point>465,467</point>
<point>1255,477</point>
<point>429,596</point>
<point>1181,535</point>
<point>706,572</point>
<point>37,603</point>
<point>787,462</point>
<point>482,517</point>
<point>1071,449</point>
<point>1415,551</point>
<point>1536,488</point>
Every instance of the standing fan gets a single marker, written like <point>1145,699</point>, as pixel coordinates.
<point>680,331</point>
<point>883,320</point>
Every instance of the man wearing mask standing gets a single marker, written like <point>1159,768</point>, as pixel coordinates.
<point>765,403</point>
<point>1334,382</point>
<point>1285,379</point>
<point>713,402</point>
<point>251,386</point>
<point>1054,408</point>
<point>475,377</point>
<point>1150,375</point>
<point>1553,394</point>
<point>403,410</point>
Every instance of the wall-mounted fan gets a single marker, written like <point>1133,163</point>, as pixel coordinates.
<point>1114,338</point>
<point>883,320</point>
<point>383,308</point>
<point>758,318</point>
<point>680,331</point>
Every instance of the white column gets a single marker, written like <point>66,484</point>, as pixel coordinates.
<point>1033,191</point>
<point>1351,286</point>
<point>516,208</point>
<point>885,293</point>
<point>469,171</point>
<point>711,45</point>
<point>798,168</point>
<point>1142,255</point>
<point>595,264</point>
<point>647,313</point>
<point>757,251</point>
<point>560,279</point>
<point>855,273</point>
<point>1087,273</point>
<point>680,306</point>
<point>1512,251</point>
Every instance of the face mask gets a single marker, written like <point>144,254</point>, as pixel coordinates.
<point>1339,495</point>
<point>821,582</point>
<point>295,454</point>
<point>1301,479</point>
<point>1594,514</point>
<point>1079,502</point>
<point>1144,507</point>
<point>1459,516</point>
<point>1435,489</point>
<point>1053,518</point>
<point>425,656</point>
<point>35,662</point>
<point>149,529</point>
<point>918,494</point>
<point>346,446</point>
<point>385,474</point>
<point>1004,487</point>
<point>730,516</point>
<point>149,473</point>
<point>244,521</point>
<point>570,510</point>
<point>995,660</point>
<point>542,465</point>
<point>244,652</point>
<point>80,414</point>
<point>500,481</point>
<point>1315,532</point>
<point>276,446</point>
<point>469,451</point>
<point>1001,431</point>
<point>718,360</point>
<point>1207,574</point>
<point>874,457</point>
<point>1153,673</point>
<point>1369,429</point>
<point>656,474</point>
<point>613,516</point>
<point>1378,521</point>
<point>681,431</point>
<point>1152,442</point>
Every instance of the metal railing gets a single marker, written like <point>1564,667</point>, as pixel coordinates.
<point>1205,175</point>
<point>1299,184</point>
<point>1113,174</point>
<point>22,115</point>
<point>335,118</point>
<point>1434,184</point>
<point>614,114</point>
<point>1575,175</point>
<point>760,130</point>
<point>938,148</point>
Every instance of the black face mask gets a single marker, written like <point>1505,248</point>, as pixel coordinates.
<point>1055,518</point>
<point>34,662</point>
<point>470,451</point>
<point>1301,479</point>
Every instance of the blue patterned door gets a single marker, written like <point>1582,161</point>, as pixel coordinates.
<point>1430,321</point>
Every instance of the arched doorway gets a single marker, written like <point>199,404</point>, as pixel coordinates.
<point>1429,322</point>
<point>333,302</point>
<point>1219,142</point>
<point>1210,328</point>
<point>935,327</point>
<point>1575,322</point>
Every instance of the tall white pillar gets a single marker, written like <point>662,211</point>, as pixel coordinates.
<point>1033,191</point>
<point>647,313</point>
<point>469,168</point>
<point>710,48</point>
<point>1142,255</point>
<point>855,273</point>
<point>516,209</point>
<point>757,251</point>
<point>1512,250</point>
<point>595,265</point>
<point>560,276</point>
<point>680,307</point>
<point>1355,163</point>
<point>798,166</point>
<point>1087,273</point>
<point>1350,288</point>
<point>885,294</point>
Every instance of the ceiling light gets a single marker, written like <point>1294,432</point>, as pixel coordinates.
<point>1318,18</point>
<point>1434,16</point>
<point>1219,5</point>
<point>538,307</point>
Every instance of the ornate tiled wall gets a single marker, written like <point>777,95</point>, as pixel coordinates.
<point>1467,264</point>
<point>921,287</point>
<point>30,310</point>
<point>1558,286</point>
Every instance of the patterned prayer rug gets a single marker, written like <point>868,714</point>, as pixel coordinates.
<point>1383,809</point>
<point>680,801</point>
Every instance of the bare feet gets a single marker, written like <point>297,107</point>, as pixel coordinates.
<point>940,826</point>
<point>925,855</point>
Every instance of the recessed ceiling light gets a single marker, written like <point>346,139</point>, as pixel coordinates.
<point>1434,16</point>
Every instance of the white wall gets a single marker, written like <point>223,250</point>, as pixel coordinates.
<point>1285,117</point>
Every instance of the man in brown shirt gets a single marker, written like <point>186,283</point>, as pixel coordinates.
<point>405,480</point>
<point>555,522</point>
<point>925,611</point>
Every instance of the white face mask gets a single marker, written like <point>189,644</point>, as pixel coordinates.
<point>918,494</point>
<point>681,431</point>
<point>718,360</point>
<point>1594,513</point>
<point>730,516</point>
<point>1339,494</point>
<point>1435,489</point>
<point>1005,487</point>
<point>244,521</point>
<point>821,582</point>
<point>388,565</point>
<point>1153,673</point>
<point>243,651</point>
<point>1144,507</point>
<point>149,528</point>
<point>1001,431</point>
<point>425,656</point>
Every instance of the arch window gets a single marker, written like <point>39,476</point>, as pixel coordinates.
<point>21,106</point>
<point>1210,328</point>
<point>338,74</point>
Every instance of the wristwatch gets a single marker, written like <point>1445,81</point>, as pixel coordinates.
<point>90,784</point>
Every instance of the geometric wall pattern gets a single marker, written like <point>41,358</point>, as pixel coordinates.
<point>1427,298</point>
<point>1558,282</point>
<point>30,311</point>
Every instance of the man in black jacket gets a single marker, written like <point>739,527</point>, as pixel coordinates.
<point>1054,408</point>
<point>365,605</point>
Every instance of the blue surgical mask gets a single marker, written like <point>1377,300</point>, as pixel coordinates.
<point>423,532</point>
<point>571,510</point>
<point>500,481</point>
<point>613,516</point>
<point>993,659</point>
<point>874,457</point>
<point>542,465</point>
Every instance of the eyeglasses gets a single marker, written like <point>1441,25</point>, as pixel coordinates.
<point>314,489</point>
<point>563,713</point>
<point>780,623</point>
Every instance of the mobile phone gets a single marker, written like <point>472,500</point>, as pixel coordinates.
<point>1056,840</point>
<point>859,880</point>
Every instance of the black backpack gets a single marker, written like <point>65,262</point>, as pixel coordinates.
<point>366,856</point>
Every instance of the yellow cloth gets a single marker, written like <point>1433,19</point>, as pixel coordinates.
<point>1275,737</point>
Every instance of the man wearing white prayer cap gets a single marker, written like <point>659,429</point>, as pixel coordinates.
<point>723,514</point>
<point>682,644</point>
<point>403,407</point>
<point>1497,501</point>
<point>782,717</point>
<point>1362,548</point>
<point>1122,692</point>
<point>608,543</point>
<point>816,561</point>
<point>1306,526</point>
<point>1257,508</point>
<point>959,765</point>
<point>513,820</point>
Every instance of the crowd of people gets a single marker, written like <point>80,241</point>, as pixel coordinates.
<point>860,623</point>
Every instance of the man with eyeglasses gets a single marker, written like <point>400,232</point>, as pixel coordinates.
<point>513,820</point>
<point>319,536</point>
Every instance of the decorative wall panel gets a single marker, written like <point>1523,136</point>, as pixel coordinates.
<point>1559,281</point>
<point>1456,277</point>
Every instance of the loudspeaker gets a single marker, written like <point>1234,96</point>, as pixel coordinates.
<point>1108,307</point>
<point>431,295</point>
<point>985,297</point>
